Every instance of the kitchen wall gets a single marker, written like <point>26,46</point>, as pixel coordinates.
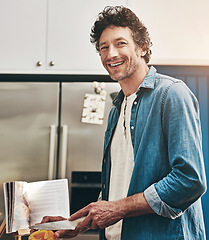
<point>178,29</point>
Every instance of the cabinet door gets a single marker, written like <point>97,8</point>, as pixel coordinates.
<point>23,34</point>
<point>69,28</point>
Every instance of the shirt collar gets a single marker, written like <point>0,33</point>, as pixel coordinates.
<point>149,80</point>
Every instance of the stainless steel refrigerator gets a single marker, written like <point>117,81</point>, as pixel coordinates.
<point>41,132</point>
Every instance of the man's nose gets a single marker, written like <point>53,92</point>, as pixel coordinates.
<point>113,52</point>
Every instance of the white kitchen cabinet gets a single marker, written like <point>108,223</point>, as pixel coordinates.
<point>50,36</point>
<point>23,34</point>
<point>69,33</point>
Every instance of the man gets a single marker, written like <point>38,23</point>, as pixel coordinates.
<point>153,172</point>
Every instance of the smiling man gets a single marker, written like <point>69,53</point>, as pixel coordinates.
<point>153,173</point>
<point>121,58</point>
<point>119,55</point>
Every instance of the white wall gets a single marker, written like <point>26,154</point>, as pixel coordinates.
<point>179,30</point>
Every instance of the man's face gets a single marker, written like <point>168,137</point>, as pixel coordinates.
<point>119,54</point>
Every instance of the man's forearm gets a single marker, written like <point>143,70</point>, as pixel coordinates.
<point>135,205</point>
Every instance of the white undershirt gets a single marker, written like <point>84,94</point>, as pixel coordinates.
<point>122,162</point>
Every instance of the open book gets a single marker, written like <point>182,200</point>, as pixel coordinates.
<point>27,203</point>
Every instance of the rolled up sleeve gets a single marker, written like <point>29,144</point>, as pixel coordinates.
<point>158,206</point>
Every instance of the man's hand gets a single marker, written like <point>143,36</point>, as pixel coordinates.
<point>100,214</point>
<point>61,233</point>
<point>49,219</point>
<point>52,219</point>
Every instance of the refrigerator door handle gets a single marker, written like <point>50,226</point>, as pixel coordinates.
<point>51,169</point>
<point>63,160</point>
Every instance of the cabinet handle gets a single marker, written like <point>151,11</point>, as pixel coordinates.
<point>52,63</point>
<point>39,63</point>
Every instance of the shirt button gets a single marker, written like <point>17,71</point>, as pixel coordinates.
<point>135,102</point>
<point>103,186</point>
<point>132,127</point>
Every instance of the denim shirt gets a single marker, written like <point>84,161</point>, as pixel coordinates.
<point>168,160</point>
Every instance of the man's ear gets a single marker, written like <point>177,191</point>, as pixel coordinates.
<point>143,51</point>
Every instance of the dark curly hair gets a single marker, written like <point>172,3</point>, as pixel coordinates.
<point>122,17</point>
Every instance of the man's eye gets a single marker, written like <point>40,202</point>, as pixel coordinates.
<point>121,43</point>
<point>103,48</point>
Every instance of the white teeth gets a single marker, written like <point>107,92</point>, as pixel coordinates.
<point>116,64</point>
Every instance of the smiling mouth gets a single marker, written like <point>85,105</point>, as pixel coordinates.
<point>115,64</point>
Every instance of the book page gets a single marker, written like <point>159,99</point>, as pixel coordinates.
<point>16,206</point>
<point>21,217</point>
<point>48,198</point>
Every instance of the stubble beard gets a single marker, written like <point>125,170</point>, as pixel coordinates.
<point>125,74</point>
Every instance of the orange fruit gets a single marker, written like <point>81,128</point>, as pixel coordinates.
<point>42,235</point>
